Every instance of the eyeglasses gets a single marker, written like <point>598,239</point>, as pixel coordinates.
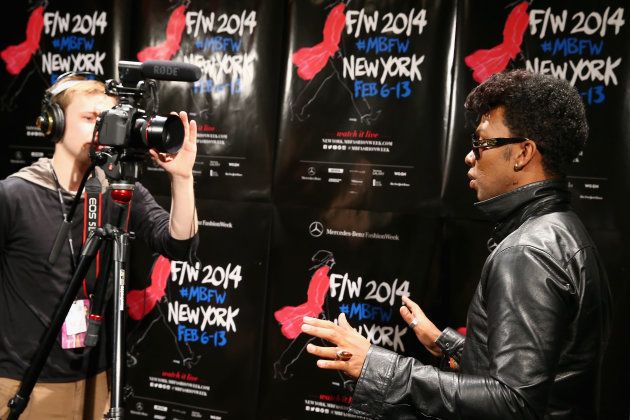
<point>478,144</point>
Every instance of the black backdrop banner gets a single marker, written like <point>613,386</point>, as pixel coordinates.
<point>195,334</point>
<point>325,262</point>
<point>587,44</point>
<point>364,96</point>
<point>365,99</point>
<point>42,40</point>
<point>237,44</point>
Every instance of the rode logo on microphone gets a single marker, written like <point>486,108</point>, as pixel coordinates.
<point>166,71</point>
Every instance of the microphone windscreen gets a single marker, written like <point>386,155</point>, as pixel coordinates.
<point>170,70</point>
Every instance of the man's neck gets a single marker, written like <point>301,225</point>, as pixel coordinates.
<point>69,171</point>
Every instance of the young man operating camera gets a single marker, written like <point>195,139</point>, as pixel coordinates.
<point>33,202</point>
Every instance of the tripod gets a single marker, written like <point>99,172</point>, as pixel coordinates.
<point>117,235</point>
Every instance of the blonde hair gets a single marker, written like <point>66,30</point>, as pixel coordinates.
<point>70,86</point>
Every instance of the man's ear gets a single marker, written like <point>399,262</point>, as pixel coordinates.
<point>525,153</point>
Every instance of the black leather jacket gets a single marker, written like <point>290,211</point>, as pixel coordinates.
<point>537,326</point>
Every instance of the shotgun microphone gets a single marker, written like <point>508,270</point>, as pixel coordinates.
<point>159,70</point>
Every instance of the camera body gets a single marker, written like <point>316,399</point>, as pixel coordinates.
<point>115,125</point>
<point>126,126</point>
<point>124,134</point>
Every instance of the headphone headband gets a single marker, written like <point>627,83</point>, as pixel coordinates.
<point>60,85</point>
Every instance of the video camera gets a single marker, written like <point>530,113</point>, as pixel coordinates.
<point>125,133</point>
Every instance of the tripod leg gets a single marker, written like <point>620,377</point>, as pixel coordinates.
<point>18,403</point>
<point>120,257</point>
<point>99,302</point>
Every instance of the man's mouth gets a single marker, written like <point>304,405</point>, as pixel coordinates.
<point>473,182</point>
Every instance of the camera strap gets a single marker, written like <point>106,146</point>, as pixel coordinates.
<point>65,217</point>
<point>92,205</point>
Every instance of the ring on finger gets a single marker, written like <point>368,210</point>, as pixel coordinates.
<point>413,323</point>
<point>343,355</point>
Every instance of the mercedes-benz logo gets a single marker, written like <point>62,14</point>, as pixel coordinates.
<point>316,229</point>
<point>311,171</point>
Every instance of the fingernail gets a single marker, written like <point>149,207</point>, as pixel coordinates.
<point>310,348</point>
<point>306,327</point>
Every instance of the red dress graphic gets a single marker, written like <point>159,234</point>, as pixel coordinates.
<point>17,57</point>
<point>141,302</point>
<point>485,63</point>
<point>167,49</point>
<point>310,60</point>
<point>290,317</point>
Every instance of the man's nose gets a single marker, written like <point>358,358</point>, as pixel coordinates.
<point>470,159</point>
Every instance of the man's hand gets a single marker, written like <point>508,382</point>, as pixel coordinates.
<point>345,338</point>
<point>183,223</point>
<point>180,165</point>
<point>425,330</point>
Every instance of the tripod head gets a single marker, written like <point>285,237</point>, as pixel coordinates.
<point>118,165</point>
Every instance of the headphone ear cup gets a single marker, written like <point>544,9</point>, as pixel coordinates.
<point>51,122</point>
<point>59,123</point>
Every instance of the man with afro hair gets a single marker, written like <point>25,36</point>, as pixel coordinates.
<point>539,320</point>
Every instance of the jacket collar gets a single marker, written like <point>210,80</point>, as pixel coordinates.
<point>40,173</point>
<point>511,209</point>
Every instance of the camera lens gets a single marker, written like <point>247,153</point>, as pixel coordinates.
<point>164,134</point>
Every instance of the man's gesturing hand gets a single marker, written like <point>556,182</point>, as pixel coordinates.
<point>425,330</point>
<point>349,344</point>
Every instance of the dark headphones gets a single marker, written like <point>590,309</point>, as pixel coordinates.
<point>51,119</point>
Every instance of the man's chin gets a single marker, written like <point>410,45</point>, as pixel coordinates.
<point>473,186</point>
<point>84,158</point>
<point>85,152</point>
<point>480,195</point>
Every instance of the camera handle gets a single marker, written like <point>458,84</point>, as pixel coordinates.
<point>121,193</point>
